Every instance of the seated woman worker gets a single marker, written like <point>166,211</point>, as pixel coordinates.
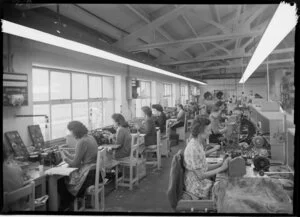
<point>180,118</point>
<point>161,119</point>
<point>13,179</point>
<point>123,136</point>
<point>197,170</point>
<point>84,159</point>
<point>215,118</point>
<point>148,128</point>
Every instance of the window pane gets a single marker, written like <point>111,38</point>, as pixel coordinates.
<point>108,87</point>
<point>60,117</point>
<point>95,87</point>
<point>108,110</point>
<point>80,112</point>
<point>139,104</point>
<point>145,89</point>
<point>79,86</point>
<point>42,110</point>
<point>95,114</point>
<point>60,85</point>
<point>40,83</point>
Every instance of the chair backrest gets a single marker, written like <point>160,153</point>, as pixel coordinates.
<point>12,198</point>
<point>100,166</point>
<point>135,143</point>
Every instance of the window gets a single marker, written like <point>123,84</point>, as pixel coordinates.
<point>183,94</point>
<point>144,98</point>
<point>168,96</point>
<point>65,96</point>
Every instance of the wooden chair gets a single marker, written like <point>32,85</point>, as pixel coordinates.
<point>11,199</point>
<point>181,130</point>
<point>155,149</point>
<point>97,188</point>
<point>132,162</point>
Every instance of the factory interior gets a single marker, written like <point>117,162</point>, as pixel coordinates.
<point>148,108</point>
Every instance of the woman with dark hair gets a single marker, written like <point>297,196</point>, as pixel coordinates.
<point>216,129</point>
<point>123,137</point>
<point>161,117</point>
<point>148,127</point>
<point>180,118</point>
<point>12,180</point>
<point>198,172</point>
<point>84,159</point>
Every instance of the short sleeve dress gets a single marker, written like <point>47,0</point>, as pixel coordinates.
<point>196,165</point>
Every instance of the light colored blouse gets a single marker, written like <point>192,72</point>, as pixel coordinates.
<point>196,165</point>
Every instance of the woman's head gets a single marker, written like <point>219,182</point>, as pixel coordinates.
<point>77,129</point>
<point>157,109</point>
<point>180,107</point>
<point>220,105</point>
<point>119,120</point>
<point>200,127</point>
<point>147,111</point>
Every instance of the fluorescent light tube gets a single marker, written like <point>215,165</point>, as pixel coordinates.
<point>283,21</point>
<point>36,35</point>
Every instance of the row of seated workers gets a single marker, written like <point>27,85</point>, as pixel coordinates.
<point>86,152</point>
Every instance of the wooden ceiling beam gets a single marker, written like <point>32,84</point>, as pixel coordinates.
<point>144,17</point>
<point>125,42</point>
<point>238,65</point>
<point>192,41</point>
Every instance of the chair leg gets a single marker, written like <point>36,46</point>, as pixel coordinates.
<point>158,160</point>
<point>131,177</point>
<point>137,174</point>
<point>97,208</point>
<point>103,199</point>
<point>117,176</point>
<point>75,205</point>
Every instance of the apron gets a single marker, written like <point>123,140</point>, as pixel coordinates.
<point>76,179</point>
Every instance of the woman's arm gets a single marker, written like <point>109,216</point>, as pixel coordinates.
<point>213,172</point>
<point>214,166</point>
<point>79,153</point>
<point>215,148</point>
<point>146,128</point>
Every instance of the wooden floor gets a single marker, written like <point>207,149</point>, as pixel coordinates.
<point>149,196</point>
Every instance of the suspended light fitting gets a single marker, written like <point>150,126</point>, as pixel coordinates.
<point>281,24</point>
<point>36,35</point>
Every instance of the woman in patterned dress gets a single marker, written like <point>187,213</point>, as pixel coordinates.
<point>197,171</point>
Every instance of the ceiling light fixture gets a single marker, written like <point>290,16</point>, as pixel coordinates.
<point>36,35</point>
<point>283,21</point>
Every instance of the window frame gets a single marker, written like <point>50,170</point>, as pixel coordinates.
<point>71,100</point>
<point>147,97</point>
<point>171,92</point>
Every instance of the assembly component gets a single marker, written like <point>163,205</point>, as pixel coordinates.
<point>237,167</point>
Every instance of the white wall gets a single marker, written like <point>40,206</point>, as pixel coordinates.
<point>28,53</point>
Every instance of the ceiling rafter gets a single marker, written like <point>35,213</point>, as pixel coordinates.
<point>255,15</point>
<point>224,57</point>
<point>127,40</point>
<point>147,20</point>
<point>193,30</point>
<point>236,22</point>
<point>239,65</point>
<point>197,40</point>
<point>215,13</point>
<point>209,29</point>
<point>220,47</point>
